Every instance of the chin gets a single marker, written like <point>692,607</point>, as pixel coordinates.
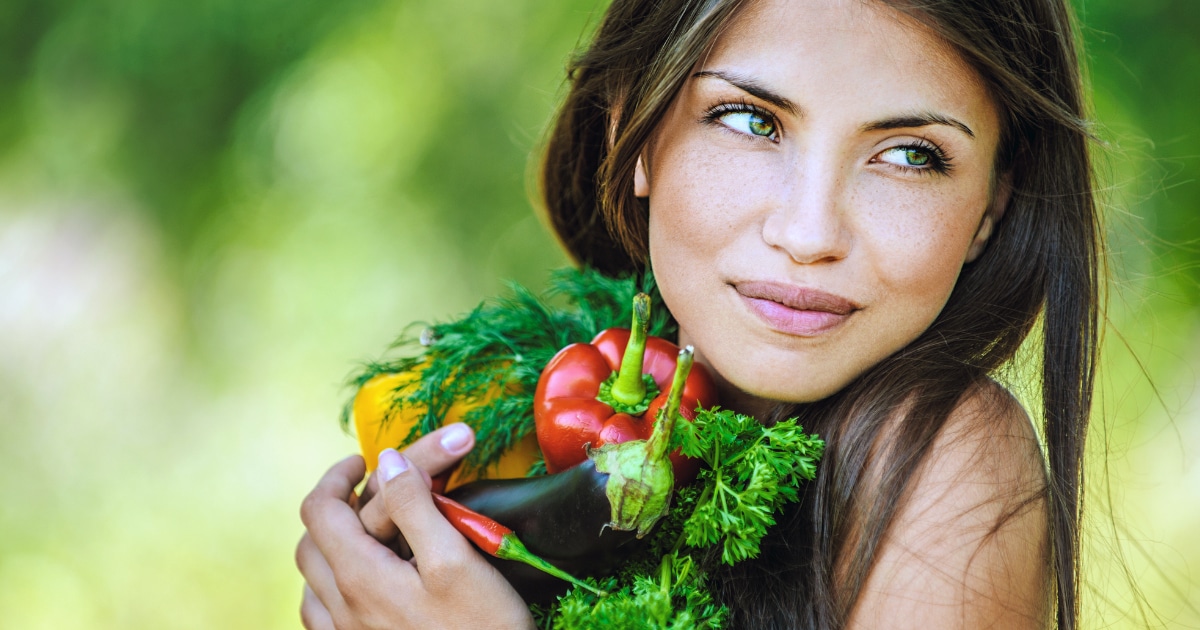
<point>788,385</point>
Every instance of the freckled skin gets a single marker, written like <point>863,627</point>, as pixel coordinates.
<point>826,203</point>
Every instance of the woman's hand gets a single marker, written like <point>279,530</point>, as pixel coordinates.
<point>354,580</point>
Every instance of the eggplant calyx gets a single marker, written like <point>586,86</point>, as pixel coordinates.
<point>641,476</point>
<point>639,486</point>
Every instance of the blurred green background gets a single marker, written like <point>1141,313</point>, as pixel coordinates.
<point>211,211</point>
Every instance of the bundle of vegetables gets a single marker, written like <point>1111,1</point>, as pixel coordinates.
<point>483,369</point>
<point>618,444</point>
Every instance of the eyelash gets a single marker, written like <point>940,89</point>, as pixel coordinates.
<point>714,114</point>
<point>940,162</point>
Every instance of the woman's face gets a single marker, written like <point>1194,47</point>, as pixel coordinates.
<point>814,192</point>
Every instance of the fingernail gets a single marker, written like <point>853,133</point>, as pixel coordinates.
<point>456,437</point>
<point>391,463</point>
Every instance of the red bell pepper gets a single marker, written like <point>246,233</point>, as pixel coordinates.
<point>591,394</point>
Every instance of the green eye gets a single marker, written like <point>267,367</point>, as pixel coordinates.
<point>750,123</point>
<point>916,158</point>
<point>911,157</point>
<point>761,127</point>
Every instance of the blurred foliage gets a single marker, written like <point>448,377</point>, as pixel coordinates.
<point>210,210</point>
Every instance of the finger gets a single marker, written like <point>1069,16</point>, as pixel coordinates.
<point>436,453</point>
<point>340,480</point>
<point>441,449</point>
<point>313,613</point>
<point>335,528</point>
<point>374,515</point>
<point>433,540</point>
<point>369,490</point>
<point>333,492</point>
<point>318,577</point>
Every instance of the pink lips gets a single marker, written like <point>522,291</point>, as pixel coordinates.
<point>795,310</point>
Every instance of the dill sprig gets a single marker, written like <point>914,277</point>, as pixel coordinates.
<point>752,471</point>
<point>501,347</point>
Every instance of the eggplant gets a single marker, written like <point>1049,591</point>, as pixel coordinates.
<point>563,518</point>
<point>589,518</point>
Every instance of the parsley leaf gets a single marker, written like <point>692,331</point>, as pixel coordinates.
<point>752,471</point>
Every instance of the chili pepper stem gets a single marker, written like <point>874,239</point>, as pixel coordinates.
<point>497,540</point>
<point>660,439</point>
<point>511,548</point>
<point>629,388</point>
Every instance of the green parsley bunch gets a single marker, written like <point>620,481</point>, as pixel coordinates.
<point>751,472</point>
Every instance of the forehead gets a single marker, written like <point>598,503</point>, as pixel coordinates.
<point>845,51</point>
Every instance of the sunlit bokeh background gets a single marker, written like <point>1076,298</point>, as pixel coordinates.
<point>210,212</point>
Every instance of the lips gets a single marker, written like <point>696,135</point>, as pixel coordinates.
<point>795,310</point>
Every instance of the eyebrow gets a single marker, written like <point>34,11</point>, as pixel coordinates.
<point>758,90</point>
<point>751,87</point>
<point>923,119</point>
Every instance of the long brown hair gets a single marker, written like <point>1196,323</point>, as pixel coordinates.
<point>1042,262</point>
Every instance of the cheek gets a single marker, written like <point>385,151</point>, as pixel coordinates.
<point>702,193</point>
<point>700,206</point>
<point>917,245</point>
<point>917,240</point>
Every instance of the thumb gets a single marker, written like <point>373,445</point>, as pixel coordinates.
<point>409,504</point>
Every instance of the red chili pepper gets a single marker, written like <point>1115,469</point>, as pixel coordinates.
<point>591,394</point>
<point>487,534</point>
<point>497,540</point>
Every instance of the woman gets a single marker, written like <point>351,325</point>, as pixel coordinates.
<point>856,211</point>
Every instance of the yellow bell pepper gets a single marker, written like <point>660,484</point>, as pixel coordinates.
<point>377,431</point>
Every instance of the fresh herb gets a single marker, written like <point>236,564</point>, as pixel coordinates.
<point>502,346</point>
<point>753,470</point>
<point>673,597</point>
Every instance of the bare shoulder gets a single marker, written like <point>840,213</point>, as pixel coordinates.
<point>990,436</point>
<point>969,546</point>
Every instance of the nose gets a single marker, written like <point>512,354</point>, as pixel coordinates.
<point>806,218</point>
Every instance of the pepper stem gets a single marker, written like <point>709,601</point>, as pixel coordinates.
<point>511,548</point>
<point>660,439</point>
<point>640,473</point>
<point>629,388</point>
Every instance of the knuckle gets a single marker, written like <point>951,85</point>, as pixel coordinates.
<point>344,620</point>
<point>399,496</point>
<point>300,556</point>
<point>312,612</point>
<point>309,508</point>
<point>311,616</point>
<point>441,573</point>
<point>422,454</point>
<point>306,615</point>
<point>351,588</point>
<point>376,618</point>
